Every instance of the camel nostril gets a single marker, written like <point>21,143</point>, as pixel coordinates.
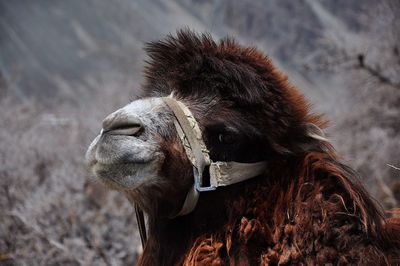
<point>128,130</point>
<point>127,125</point>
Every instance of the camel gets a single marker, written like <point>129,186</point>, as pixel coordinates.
<point>231,167</point>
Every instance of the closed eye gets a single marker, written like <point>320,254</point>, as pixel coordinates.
<point>220,134</point>
<point>226,138</point>
<point>229,144</point>
<point>223,142</point>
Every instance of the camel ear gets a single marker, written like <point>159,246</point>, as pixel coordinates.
<point>315,140</point>
<point>314,132</point>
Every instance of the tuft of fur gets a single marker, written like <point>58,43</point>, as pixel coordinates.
<point>307,209</point>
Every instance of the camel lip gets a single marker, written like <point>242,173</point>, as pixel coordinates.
<point>128,181</point>
<point>118,162</point>
<point>106,163</point>
<point>113,184</point>
<point>92,160</point>
<point>96,155</point>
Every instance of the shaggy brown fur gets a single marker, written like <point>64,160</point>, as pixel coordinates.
<point>307,209</point>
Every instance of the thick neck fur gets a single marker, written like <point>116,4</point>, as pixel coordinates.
<point>308,208</point>
<point>209,217</point>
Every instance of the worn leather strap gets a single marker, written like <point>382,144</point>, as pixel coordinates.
<point>229,173</point>
<point>190,135</point>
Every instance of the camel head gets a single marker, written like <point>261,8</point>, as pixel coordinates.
<point>244,107</point>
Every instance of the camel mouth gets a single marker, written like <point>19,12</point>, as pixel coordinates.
<point>125,175</point>
<point>99,160</point>
<point>123,163</point>
<point>111,162</point>
<point>97,166</point>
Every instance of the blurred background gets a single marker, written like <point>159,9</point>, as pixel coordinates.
<point>65,65</point>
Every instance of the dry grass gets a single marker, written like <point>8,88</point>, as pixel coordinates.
<point>50,213</point>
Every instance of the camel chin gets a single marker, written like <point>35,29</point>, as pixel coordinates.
<point>126,155</point>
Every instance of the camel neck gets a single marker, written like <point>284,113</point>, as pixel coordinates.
<point>209,217</point>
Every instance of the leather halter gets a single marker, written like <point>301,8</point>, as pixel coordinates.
<point>220,173</point>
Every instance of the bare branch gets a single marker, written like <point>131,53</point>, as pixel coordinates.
<point>375,72</point>
<point>394,167</point>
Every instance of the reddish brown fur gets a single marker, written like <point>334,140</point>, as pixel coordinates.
<point>307,209</point>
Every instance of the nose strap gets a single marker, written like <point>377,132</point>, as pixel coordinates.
<point>221,173</point>
<point>190,135</point>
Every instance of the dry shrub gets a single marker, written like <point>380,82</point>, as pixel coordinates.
<point>51,214</point>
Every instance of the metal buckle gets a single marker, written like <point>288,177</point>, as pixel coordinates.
<point>197,182</point>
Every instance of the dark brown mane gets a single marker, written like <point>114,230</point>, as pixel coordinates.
<point>308,208</point>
